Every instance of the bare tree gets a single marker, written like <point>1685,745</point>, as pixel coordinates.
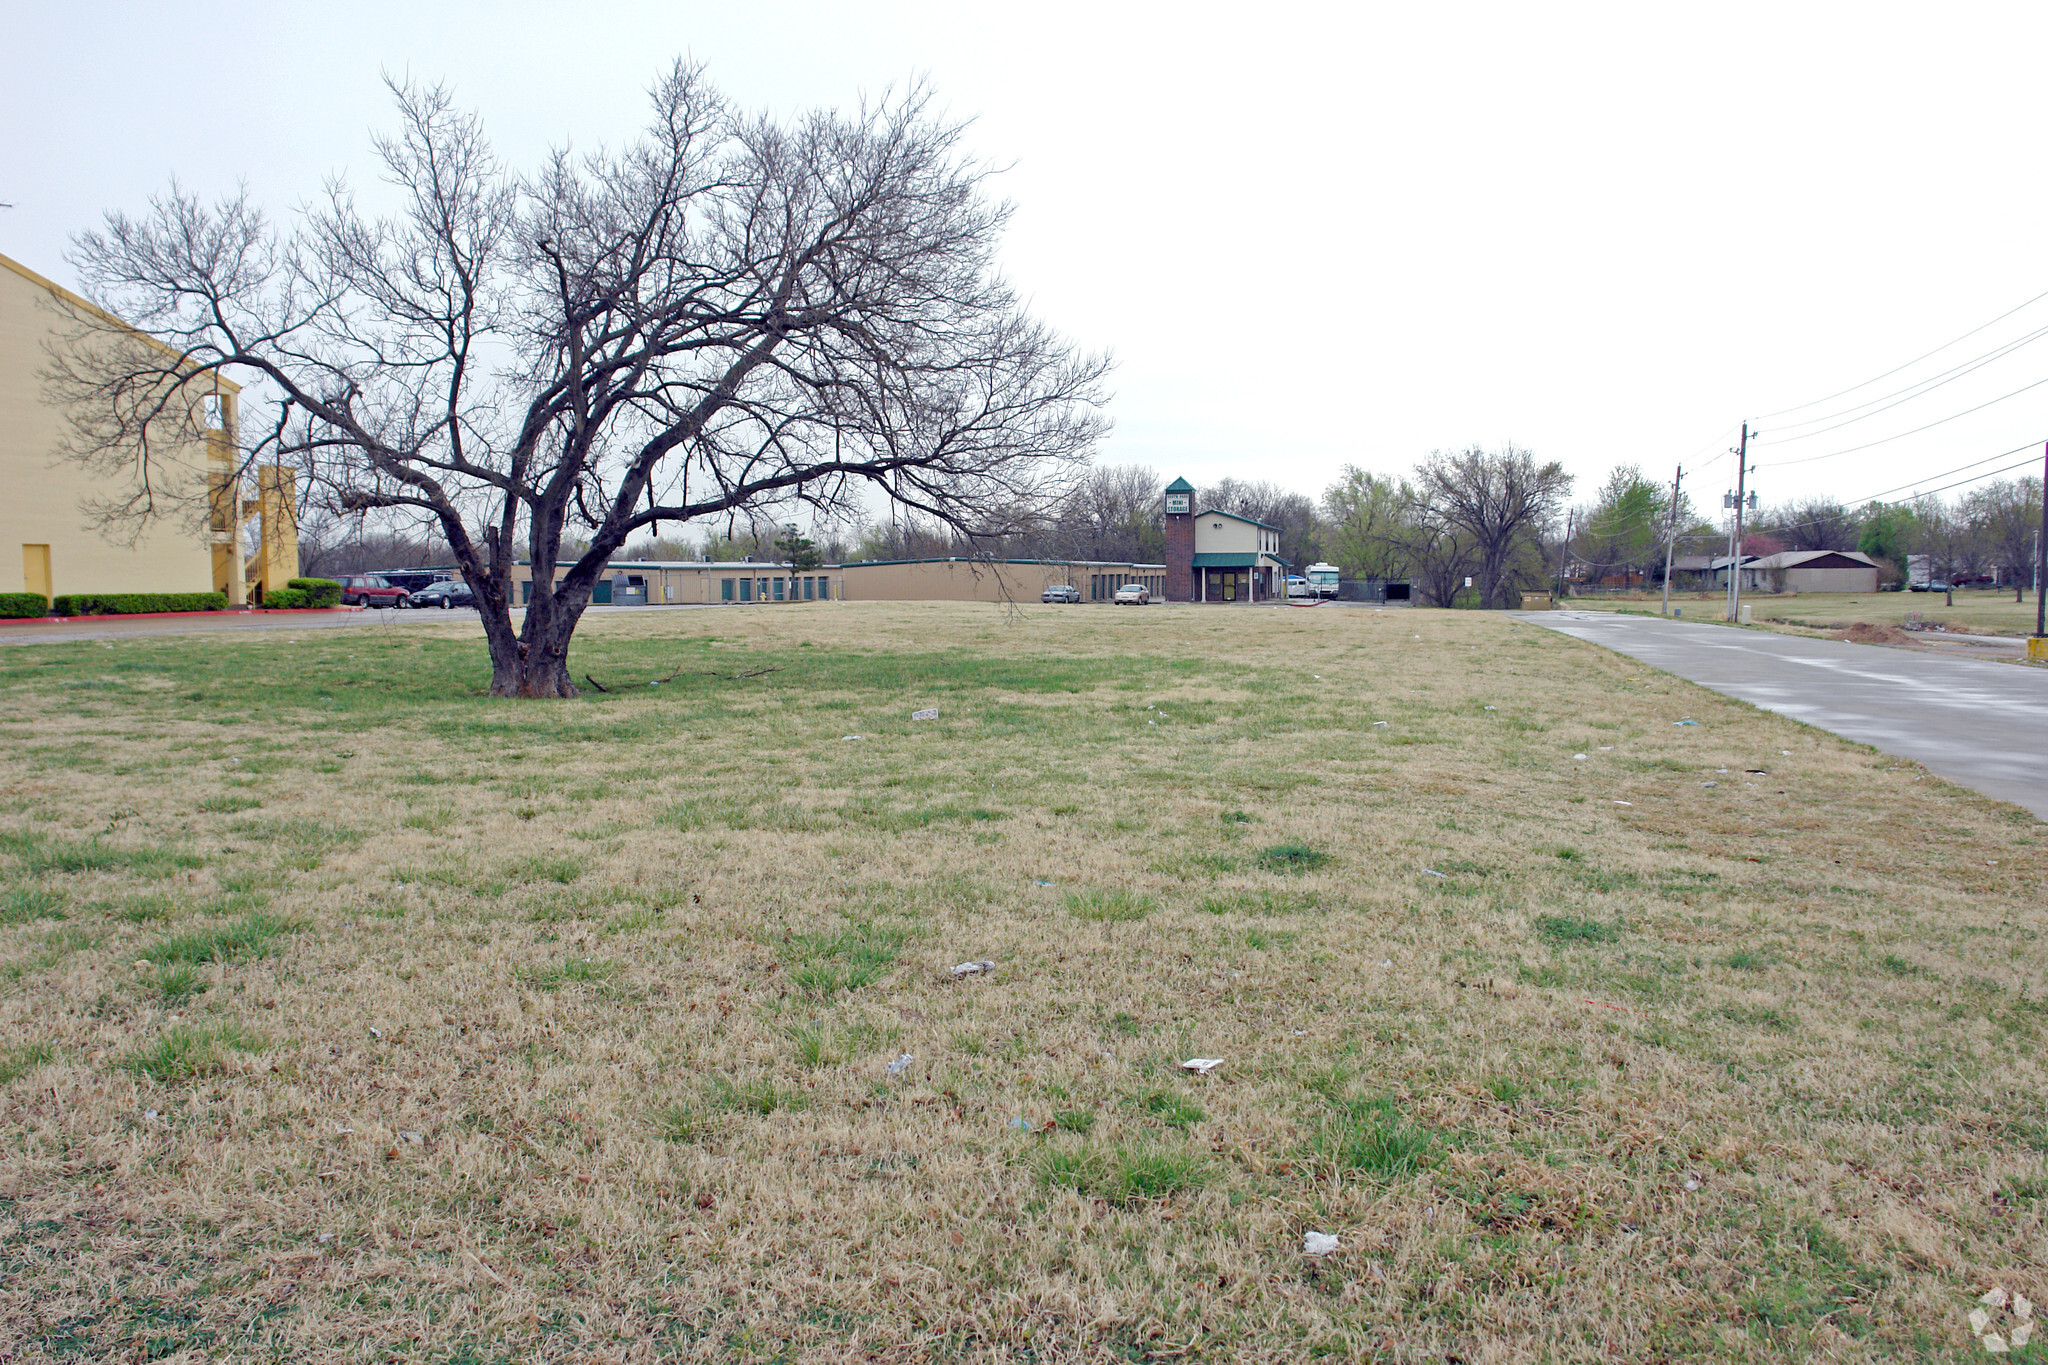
<point>1497,503</point>
<point>2007,513</point>
<point>1114,514</point>
<point>1813,524</point>
<point>1292,514</point>
<point>732,314</point>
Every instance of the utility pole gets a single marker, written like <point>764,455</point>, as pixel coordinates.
<point>1671,537</point>
<point>2041,555</point>
<point>1564,554</point>
<point>1735,535</point>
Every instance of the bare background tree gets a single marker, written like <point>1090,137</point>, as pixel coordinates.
<point>732,315</point>
<point>1498,504</point>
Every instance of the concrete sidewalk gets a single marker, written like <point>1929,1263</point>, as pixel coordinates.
<point>1977,722</point>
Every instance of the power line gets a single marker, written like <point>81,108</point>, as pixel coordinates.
<point>1957,470</point>
<point>1900,436</point>
<point>1850,505</point>
<point>1915,390</point>
<point>1801,407</point>
<point>1974,478</point>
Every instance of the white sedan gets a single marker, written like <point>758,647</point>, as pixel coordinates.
<point>1132,595</point>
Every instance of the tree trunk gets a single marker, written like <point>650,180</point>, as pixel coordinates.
<point>535,661</point>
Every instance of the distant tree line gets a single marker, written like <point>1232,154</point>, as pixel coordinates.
<point>1498,518</point>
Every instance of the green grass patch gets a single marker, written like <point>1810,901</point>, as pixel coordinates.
<point>1110,907</point>
<point>1371,1137</point>
<point>251,936</point>
<point>544,868</point>
<point>187,1053</point>
<point>1292,859</point>
<point>760,1096</point>
<point>228,804</point>
<point>849,959</point>
<point>41,853</point>
<point>31,903</point>
<point>1127,1174</point>
<point>1566,931</point>
<point>178,982</point>
<point>1171,1108</point>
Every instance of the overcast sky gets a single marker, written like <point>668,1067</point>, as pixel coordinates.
<point>1311,235</point>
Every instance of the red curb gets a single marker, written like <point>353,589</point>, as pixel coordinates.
<point>168,615</point>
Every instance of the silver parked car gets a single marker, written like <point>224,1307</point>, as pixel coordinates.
<point>1061,592</point>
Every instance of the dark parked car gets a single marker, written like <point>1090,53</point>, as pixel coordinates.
<point>371,590</point>
<point>449,593</point>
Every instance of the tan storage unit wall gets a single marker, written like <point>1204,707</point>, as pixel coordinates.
<point>969,580</point>
<point>46,495</point>
<point>694,583</point>
<point>1831,580</point>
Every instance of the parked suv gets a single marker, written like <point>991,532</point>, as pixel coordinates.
<point>1061,592</point>
<point>370,590</point>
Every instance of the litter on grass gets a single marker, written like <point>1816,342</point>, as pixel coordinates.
<point>1432,872</point>
<point>901,1064</point>
<point>1624,803</point>
<point>1685,722</point>
<point>844,738</point>
<point>929,713</point>
<point>1318,1243</point>
<point>1379,725</point>
<point>1710,784</point>
<point>1578,756</point>
<point>973,968</point>
<point>1201,1066</point>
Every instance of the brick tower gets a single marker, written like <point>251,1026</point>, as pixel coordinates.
<point>1180,541</point>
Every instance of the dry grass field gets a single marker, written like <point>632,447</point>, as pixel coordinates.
<point>1977,611</point>
<point>349,1015</point>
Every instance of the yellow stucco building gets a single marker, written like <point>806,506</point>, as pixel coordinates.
<point>46,516</point>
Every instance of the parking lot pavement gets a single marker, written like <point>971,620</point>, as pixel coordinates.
<point>1977,722</point>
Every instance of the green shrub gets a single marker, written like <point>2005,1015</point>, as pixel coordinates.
<point>136,603</point>
<point>320,592</point>
<point>285,599</point>
<point>18,604</point>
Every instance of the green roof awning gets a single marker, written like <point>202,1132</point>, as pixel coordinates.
<point>1180,486</point>
<point>1245,560</point>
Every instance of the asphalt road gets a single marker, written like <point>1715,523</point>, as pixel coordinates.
<point>1977,722</point>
